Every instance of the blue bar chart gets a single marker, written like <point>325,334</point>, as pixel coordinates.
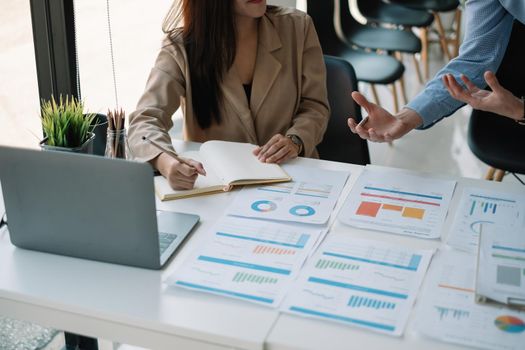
<point>358,301</point>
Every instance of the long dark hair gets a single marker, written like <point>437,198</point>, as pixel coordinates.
<point>209,38</point>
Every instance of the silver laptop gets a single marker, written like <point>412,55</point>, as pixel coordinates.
<point>88,207</point>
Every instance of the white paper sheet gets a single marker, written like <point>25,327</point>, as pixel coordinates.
<point>483,207</point>
<point>309,198</point>
<point>248,259</point>
<point>399,202</point>
<point>447,310</point>
<point>361,283</point>
<point>501,265</point>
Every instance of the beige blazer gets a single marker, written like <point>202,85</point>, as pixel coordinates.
<point>288,91</point>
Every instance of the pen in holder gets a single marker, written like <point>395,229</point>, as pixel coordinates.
<point>117,143</point>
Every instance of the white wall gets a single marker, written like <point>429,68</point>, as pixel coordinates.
<point>288,3</point>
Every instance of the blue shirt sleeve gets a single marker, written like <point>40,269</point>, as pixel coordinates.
<point>488,31</point>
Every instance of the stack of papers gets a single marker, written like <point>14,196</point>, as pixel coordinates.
<point>449,313</point>
<point>501,266</point>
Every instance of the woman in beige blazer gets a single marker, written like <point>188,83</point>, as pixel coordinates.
<point>241,71</point>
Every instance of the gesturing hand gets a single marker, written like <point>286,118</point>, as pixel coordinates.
<point>382,126</point>
<point>278,149</point>
<point>180,175</point>
<point>499,100</point>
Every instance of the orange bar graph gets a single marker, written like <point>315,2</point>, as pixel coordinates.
<point>262,249</point>
<point>415,213</point>
<point>368,209</point>
<point>392,207</point>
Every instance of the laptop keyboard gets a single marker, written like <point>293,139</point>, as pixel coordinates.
<point>165,239</point>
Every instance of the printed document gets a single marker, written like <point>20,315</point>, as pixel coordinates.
<point>310,198</point>
<point>484,207</point>
<point>398,201</point>
<point>501,266</point>
<point>361,283</point>
<point>447,310</point>
<point>248,259</point>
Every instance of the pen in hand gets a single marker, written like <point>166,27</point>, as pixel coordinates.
<point>174,155</point>
<point>363,122</point>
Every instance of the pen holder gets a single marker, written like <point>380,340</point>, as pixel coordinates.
<point>117,144</point>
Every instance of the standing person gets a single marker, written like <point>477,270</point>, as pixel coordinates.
<point>489,27</point>
<point>242,71</point>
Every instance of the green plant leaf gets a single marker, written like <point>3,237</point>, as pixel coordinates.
<point>64,122</point>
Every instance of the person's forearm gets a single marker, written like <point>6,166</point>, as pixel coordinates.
<point>409,117</point>
<point>161,162</point>
<point>518,109</point>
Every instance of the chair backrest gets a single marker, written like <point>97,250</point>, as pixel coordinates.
<point>347,22</point>
<point>322,13</point>
<point>339,143</point>
<point>366,6</point>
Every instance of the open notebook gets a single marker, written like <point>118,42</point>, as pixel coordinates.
<point>227,164</point>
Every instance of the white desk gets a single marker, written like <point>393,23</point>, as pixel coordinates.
<point>131,305</point>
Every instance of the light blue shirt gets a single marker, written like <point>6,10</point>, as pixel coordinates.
<point>489,24</point>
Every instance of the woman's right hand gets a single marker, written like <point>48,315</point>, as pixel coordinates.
<point>180,176</point>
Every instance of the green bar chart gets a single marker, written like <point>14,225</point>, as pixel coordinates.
<point>243,277</point>
<point>324,264</point>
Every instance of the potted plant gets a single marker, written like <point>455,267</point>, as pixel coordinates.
<point>66,127</point>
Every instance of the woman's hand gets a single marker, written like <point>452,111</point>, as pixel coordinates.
<point>381,125</point>
<point>180,175</point>
<point>278,150</point>
<point>499,100</point>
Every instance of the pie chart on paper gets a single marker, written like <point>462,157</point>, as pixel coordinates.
<point>264,206</point>
<point>510,324</point>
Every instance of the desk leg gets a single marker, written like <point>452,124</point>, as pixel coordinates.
<point>79,342</point>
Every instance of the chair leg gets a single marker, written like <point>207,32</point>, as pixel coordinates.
<point>490,174</point>
<point>376,96</point>
<point>403,90</point>
<point>458,32</point>
<point>442,35</point>
<point>418,71</point>
<point>424,50</point>
<point>394,95</point>
<point>499,175</point>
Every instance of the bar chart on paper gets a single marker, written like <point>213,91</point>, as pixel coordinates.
<point>480,207</point>
<point>448,312</point>
<point>398,202</point>
<point>361,283</point>
<point>358,301</point>
<point>247,259</point>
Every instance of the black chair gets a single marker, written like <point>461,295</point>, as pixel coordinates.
<point>369,67</point>
<point>379,12</point>
<point>496,140</point>
<point>339,144</point>
<point>376,38</point>
<point>435,7</point>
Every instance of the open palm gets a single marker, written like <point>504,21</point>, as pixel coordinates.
<point>380,125</point>
<point>499,100</point>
